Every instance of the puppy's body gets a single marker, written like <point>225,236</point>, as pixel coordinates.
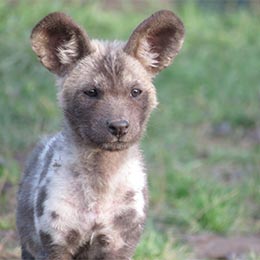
<point>80,198</point>
<point>84,194</point>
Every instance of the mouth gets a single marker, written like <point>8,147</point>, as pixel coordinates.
<point>115,146</point>
<point>106,143</point>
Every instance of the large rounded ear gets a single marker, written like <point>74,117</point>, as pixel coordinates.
<point>59,42</point>
<point>156,41</point>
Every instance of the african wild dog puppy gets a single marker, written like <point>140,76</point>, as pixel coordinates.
<point>84,194</point>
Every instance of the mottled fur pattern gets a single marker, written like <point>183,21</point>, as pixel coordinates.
<point>84,193</point>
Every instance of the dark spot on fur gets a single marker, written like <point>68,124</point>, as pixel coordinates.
<point>129,196</point>
<point>82,252</point>
<point>130,227</point>
<point>46,239</point>
<point>125,219</point>
<point>54,215</point>
<point>76,174</point>
<point>103,240</point>
<point>40,200</point>
<point>133,232</point>
<point>72,237</point>
<point>56,165</point>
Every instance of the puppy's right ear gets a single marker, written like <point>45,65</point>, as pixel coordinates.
<point>59,42</point>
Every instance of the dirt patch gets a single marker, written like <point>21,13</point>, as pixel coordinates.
<point>217,247</point>
<point>213,142</point>
<point>9,248</point>
<point>9,245</point>
<point>241,135</point>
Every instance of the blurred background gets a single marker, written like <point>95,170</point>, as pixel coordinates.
<point>202,146</point>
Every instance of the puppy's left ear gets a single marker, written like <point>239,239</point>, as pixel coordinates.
<point>156,41</point>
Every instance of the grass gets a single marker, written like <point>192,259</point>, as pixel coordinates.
<point>202,146</point>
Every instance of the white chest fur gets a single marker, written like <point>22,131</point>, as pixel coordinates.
<point>87,202</point>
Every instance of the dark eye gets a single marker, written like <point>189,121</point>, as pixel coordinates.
<point>136,92</point>
<point>91,92</point>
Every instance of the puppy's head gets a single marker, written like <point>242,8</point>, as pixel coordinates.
<point>106,89</point>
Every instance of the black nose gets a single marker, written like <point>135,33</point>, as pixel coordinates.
<point>118,127</point>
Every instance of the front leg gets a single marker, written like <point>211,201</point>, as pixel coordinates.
<point>52,251</point>
<point>26,255</point>
<point>122,239</point>
<point>101,248</point>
